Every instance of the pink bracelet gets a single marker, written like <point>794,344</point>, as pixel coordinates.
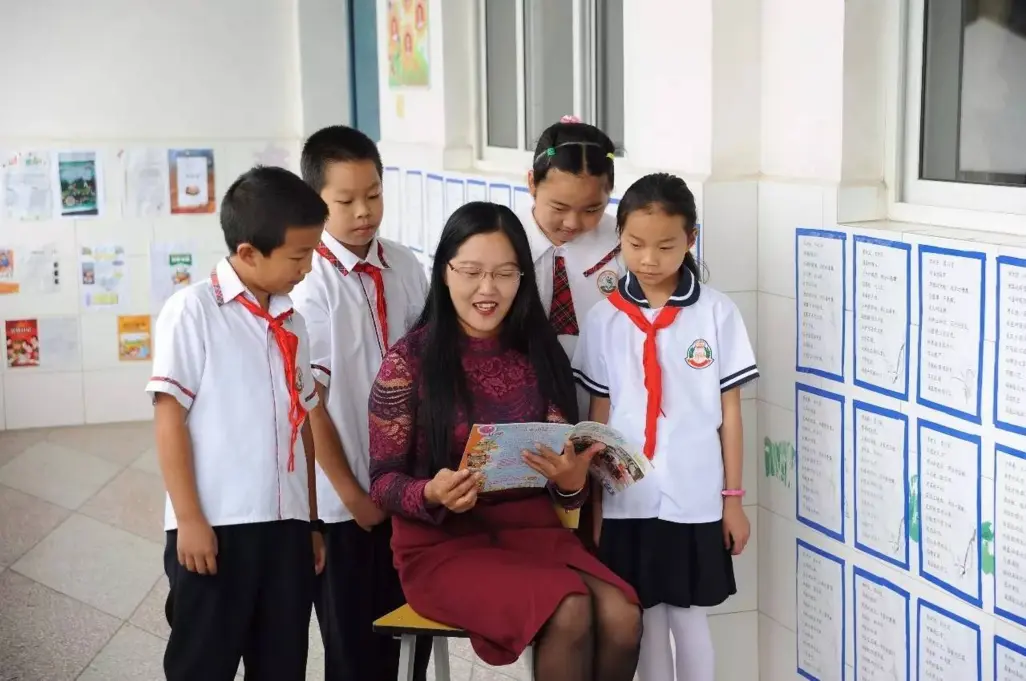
<point>733,493</point>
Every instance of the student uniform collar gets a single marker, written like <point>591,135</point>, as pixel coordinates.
<point>344,260</point>
<point>540,245</point>
<point>227,287</point>
<point>685,295</point>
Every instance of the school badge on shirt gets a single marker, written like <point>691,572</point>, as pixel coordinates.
<point>699,355</point>
<point>606,282</point>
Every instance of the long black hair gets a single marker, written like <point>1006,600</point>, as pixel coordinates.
<point>666,193</point>
<point>443,386</point>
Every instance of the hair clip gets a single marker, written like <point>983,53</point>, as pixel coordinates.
<point>611,156</point>
<point>551,151</point>
<point>569,118</point>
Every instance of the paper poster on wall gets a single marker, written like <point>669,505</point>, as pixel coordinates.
<point>434,195</point>
<point>8,284</point>
<point>1010,534</point>
<point>22,343</point>
<point>134,339</point>
<point>477,190</point>
<point>103,271</point>
<point>272,156</point>
<point>949,510</point>
<point>820,613</point>
<point>1009,660</point>
<point>59,348</point>
<point>409,60</point>
<point>501,194</point>
<point>191,173</point>
<point>949,646</point>
<point>146,182</point>
<point>39,270</point>
<point>455,195</point>
<point>881,276</point>
<point>1010,358</point>
<point>951,308</point>
<point>881,628</point>
<point>28,186</point>
<point>413,211</point>
<point>820,279</point>
<point>522,202</point>
<point>80,183</point>
<point>820,459</point>
<point>172,268</point>
<point>392,189</point>
<point>881,482</point>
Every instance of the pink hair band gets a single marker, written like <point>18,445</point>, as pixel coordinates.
<point>733,492</point>
<point>569,118</point>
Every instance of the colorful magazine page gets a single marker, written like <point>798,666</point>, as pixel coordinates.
<point>495,450</point>
<point>618,465</point>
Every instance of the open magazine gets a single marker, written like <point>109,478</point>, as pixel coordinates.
<point>495,451</point>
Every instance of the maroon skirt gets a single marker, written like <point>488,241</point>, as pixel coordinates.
<point>498,572</point>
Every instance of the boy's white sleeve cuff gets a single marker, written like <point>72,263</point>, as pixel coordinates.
<point>164,384</point>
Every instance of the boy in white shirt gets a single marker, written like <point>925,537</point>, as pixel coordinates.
<point>361,296</point>
<point>231,388</point>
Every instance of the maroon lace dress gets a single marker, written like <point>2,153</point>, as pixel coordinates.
<point>499,570</point>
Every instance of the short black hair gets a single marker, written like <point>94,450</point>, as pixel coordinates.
<point>335,144</point>
<point>575,148</point>
<point>263,203</point>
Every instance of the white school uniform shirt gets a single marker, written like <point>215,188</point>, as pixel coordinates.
<point>593,267</point>
<point>703,353</point>
<point>340,308</point>
<point>222,364</point>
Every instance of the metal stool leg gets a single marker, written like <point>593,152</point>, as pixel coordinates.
<point>407,647</point>
<point>440,651</point>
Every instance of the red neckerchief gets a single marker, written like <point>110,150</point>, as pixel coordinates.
<point>288,344</point>
<point>649,361</point>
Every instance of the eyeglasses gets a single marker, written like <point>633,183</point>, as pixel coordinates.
<point>504,277</point>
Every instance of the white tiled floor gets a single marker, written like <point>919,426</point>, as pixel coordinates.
<point>81,584</point>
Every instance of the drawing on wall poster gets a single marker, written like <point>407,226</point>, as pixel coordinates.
<point>78,176</point>
<point>7,282</point>
<point>134,338</point>
<point>22,343</point>
<point>27,190</point>
<point>408,48</point>
<point>191,172</point>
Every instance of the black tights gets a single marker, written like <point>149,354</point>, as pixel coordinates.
<point>594,637</point>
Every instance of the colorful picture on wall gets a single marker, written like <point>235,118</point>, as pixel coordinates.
<point>78,176</point>
<point>191,173</point>
<point>134,339</point>
<point>7,282</point>
<point>409,59</point>
<point>22,343</point>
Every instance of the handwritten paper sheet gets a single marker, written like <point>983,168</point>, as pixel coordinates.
<point>501,194</point>
<point>951,330</point>
<point>820,460</point>
<point>477,190</point>
<point>392,189</point>
<point>881,629</point>
<point>146,183</point>
<point>59,347</point>
<point>455,196</point>
<point>28,182</point>
<point>435,222</point>
<point>413,210</point>
<point>881,472</point>
<point>40,270</point>
<point>1010,533</point>
<point>1010,374</point>
<point>522,201</point>
<point>1009,660</point>
<point>881,282</point>
<point>819,261</point>
<point>949,648</point>
<point>949,498</point>
<point>820,614</point>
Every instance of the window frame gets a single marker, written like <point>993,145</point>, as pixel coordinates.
<point>503,159</point>
<point>931,201</point>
